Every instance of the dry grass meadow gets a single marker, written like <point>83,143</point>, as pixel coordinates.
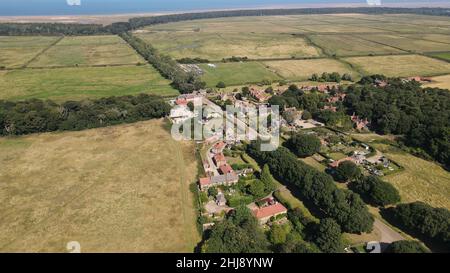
<point>440,82</point>
<point>123,188</point>
<point>400,65</point>
<point>298,70</point>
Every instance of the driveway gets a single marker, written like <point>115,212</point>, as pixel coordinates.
<point>388,235</point>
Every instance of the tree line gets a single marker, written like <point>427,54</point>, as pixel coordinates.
<point>37,116</point>
<point>19,29</point>
<point>138,22</point>
<point>185,82</point>
<point>421,115</point>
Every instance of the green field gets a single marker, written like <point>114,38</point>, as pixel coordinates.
<point>237,73</point>
<point>77,83</point>
<point>215,47</point>
<point>400,66</point>
<point>350,45</point>
<point>299,70</point>
<point>411,43</point>
<point>443,56</point>
<point>16,51</point>
<point>88,51</point>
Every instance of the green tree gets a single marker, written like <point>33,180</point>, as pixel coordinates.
<point>328,236</point>
<point>221,85</point>
<point>376,191</point>
<point>213,192</point>
<point>277,234</point>
<point>257,189</point>
<point>267,179</point>
<point>347,170</point>
<point>190,106</point>
<point>304,145</point>
<point>306,115</point>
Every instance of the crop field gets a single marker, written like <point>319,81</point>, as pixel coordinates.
<point>16,51</point>
<point>420,180</point>
<point>348,45</point>
<point>412,44</point>
<point>105,188</point>
<point>400,66</point>
<point>298,70</point>
<point>88,51</point>
<point>78,83</point>
<point>440,82</point>
<point>237,73</point>
<point>215,47</point>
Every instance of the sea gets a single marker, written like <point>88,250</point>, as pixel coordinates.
<point>99,7</point>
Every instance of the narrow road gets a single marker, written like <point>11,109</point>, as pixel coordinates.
<point>388,235</point>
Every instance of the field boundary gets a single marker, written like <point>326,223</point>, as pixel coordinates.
<point>25,65</point>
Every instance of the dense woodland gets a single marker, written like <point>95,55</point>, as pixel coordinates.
<point>18,29</point>
<point>345,207</point>
<point>423,220</point>
<point>169,68</point>
<point>36,116</point>
<point>422,116</point>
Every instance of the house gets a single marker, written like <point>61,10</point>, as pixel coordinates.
<point>219,159</point>
<point>336,98</point>
<point>380,83</point>
<point>218,147</point>
<point>360,124</point>
<point>221,200</point>
<point>264,214</point>
<point>228,179</point>
<point>225,169</point>
<point>330,108</point>
<point>184,99</point>
<point>419,79</point>
<point>257,94</point>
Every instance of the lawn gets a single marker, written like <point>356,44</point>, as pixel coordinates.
<point>16,51</point>
<point>299,70</point>
<point>400,66</point>
<point>105,188</point>
<point>420,180</point>
<point>216,46</point>
<point>350,45</point>
<point>88,51</point>
<point>77,83</point>
<point>237,73</point>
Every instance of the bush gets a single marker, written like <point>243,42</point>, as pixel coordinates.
<point>221,85</point>
<point>406,247</point>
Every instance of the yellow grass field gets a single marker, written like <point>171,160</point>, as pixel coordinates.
<point>16,51</point>
<point>421,180</point>
<point>116,189</point>
<point>87,51</point>
<point>299,70</point>
<point>440,82</point>
<point>216,46</point>
<point>400,66</point>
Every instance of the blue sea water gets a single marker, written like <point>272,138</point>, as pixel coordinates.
<point>60,7</point>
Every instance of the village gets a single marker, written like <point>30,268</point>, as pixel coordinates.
<point>229,181</point>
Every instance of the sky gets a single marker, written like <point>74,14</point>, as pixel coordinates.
<point>75,7</point>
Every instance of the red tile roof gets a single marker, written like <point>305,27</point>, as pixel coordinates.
<point>205,181</point>
<point>219,145</point>
<point>269,211</point>
<point>219,157</point>
<point>224,169</point>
